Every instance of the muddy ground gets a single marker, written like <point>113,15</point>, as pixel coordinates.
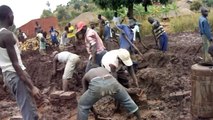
<point>165,78</point>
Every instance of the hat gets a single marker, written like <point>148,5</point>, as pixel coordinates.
<point>54,53</point>
<point>80,25</point>
<point>124,55</point>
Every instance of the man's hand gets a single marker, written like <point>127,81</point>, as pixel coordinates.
<point>36,92</point>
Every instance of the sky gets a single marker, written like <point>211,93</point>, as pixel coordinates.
<point>26,10</point>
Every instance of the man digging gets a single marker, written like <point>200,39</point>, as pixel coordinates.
<point>116,61</point>
<point>94,44</point>
<point>70,61</point>
<point>98,83</point>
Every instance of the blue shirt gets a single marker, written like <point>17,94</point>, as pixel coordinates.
<point>107,32</point>
<point>53,34</point>
<point>204,27</point>
<point>129,33</point>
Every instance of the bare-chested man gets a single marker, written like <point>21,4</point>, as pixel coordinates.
<point>97,83</point>
<point>15,77</point>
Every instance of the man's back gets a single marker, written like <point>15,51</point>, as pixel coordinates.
<point>96,72</point>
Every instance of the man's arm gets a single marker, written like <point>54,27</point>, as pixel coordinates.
<point>9,43</point>
<point>84,83</point>
<point>57,32</point>
<point>113,70</point>
<point>132,74</point>
<point>207,31</point>
<point>93,50</point>
<point>156,41</point>
<point>55,61</point>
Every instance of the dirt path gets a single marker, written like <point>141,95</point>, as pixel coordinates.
<point>166,78</point>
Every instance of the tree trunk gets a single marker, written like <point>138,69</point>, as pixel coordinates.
<point>130,10</point>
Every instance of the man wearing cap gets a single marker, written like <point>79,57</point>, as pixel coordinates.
<point>126,33</point>
<point>98,83</point>
<point>115,60</point>
<point>205,32</point>
<point>71,63</point>
<point>94,44</point>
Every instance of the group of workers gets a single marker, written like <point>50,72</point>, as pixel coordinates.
<point>105,72</point>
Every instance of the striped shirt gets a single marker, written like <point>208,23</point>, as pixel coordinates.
<point>158,29</point>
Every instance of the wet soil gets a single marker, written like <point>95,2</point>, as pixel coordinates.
<point>160,75</point>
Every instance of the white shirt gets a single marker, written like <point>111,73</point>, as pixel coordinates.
<point>64,56</point>
<point>116,20</point>
<point>135,29</point>
<point>5,62</point>
<point>110,57</point>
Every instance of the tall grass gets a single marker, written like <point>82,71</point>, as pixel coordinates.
<point>187,23</point>
<point>184,23</point>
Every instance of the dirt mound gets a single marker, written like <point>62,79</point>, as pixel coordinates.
<point>165,79</point>
<point>93,17</point>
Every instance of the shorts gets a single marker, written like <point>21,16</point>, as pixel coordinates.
<point>70,66</point>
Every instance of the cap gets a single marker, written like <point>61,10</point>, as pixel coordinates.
<point>54,53</point>
<point>80,25</point>
<point>124,55</point>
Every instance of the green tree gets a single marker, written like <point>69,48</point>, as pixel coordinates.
<point>209,3</point>
<point>116,4</point>
<point>46,13</point>
<point>77,6</point>
<point>61,12</point>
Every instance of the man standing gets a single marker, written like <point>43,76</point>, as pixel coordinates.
<point>42,42</point>
<point>94,44</point>
<point>116,19</point>
<point>115,62</point>
<point>126,36</point>
<point>205,32</point>
<point>37,28</point>
<point>101,23</point>
<point>53,34</point>
<point>71,35</point>
<point>71,62</point>
<point>98,83</point>
<point>107,36</point>
<point>15,76</point>
<point>159,33</point>
<point>64,39</point>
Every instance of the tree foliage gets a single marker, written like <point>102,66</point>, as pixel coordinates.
<point>61,12</point>
<point>195,5</point>
<point>116,4</point>
<point>46,13</point>
<point>77,6</point>
<point>209,3</point>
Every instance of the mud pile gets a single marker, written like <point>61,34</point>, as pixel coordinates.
<point>164,77</point>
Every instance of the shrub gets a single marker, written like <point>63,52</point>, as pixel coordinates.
<point>195,5</point>
<point>209,3</point>
<point>108,14</point>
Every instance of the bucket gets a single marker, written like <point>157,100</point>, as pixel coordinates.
<point>202,91</point>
